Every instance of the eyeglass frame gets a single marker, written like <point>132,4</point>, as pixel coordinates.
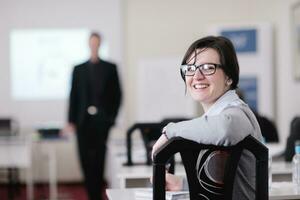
<point>199,67</point>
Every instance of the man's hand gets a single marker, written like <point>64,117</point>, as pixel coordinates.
<point>161,140</point>
<point>67,130</point>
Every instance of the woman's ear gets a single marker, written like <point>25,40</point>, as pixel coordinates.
<point>228,82</point>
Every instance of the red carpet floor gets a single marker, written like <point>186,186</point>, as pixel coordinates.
<point>72,191</point>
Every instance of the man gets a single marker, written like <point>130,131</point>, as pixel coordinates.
<point>94,103</point>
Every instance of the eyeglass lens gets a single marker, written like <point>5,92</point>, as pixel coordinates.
<point>206,69</point>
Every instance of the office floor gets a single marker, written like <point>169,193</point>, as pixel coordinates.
<point>70,191</point>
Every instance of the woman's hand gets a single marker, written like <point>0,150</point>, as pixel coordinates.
<point>161,140</point>
<point>173,182</point>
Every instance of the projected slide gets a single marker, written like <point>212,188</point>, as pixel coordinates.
<point>42,61</point>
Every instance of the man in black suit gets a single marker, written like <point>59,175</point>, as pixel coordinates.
<point>94,103</point>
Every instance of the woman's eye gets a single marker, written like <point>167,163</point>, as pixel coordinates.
<point>208,67</point>
<point>190,68</point>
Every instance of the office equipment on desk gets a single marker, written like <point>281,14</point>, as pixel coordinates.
<point>49,133</point>
<point>189,152</point>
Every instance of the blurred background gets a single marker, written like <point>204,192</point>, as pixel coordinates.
<point>41,41</point>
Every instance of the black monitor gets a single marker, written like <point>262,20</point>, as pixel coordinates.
<point>6,127</point>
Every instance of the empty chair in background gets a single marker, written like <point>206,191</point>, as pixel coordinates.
<point>8,128</point>
<point>293,137</point>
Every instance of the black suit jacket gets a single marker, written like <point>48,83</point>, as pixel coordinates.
<point>108,92</point>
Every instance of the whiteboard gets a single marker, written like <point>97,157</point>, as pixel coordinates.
<point>161,91</point>
<point>47,57</point>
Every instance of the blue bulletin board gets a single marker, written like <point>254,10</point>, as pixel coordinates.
<point>244,40</point>
<point>248,86</point>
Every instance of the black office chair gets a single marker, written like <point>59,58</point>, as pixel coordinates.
<point>294,136</point>
<point>268,128</point>
<point>150,132</point>
<point>189,152</point>
<point>9,127</point>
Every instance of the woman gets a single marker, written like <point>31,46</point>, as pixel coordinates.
<point>210,71</point>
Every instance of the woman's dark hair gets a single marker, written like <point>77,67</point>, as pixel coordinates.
<point>225,49</point>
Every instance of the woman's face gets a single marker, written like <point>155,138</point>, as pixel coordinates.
<point>207,89</point>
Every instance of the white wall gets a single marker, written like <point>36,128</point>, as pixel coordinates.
<point>99,15</point>
<point>153,29</point>
<point>166,28</point>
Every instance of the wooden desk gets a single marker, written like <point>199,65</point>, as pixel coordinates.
<point>280,190</point>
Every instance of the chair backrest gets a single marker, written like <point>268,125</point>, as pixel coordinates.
<point>150,132</point>
<point>189,152</point>
<point>294,135</point>
<point>268,128</point>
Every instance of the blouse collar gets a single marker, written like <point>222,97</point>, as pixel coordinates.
<point>229,98</point>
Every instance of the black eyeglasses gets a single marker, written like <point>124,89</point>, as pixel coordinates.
<point>206,69</point>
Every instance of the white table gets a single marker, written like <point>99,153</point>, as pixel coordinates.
<point>15,151</point>
<point>275,149</point>
<point>50,154</point>
<point>134,176</point>
<point>281,171</point>
<point>139,175</point>
<point>281,167</point>
<point>283,190</point>
<point>124,194</point>
<point>46,146</point>
<point>279,190</point>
